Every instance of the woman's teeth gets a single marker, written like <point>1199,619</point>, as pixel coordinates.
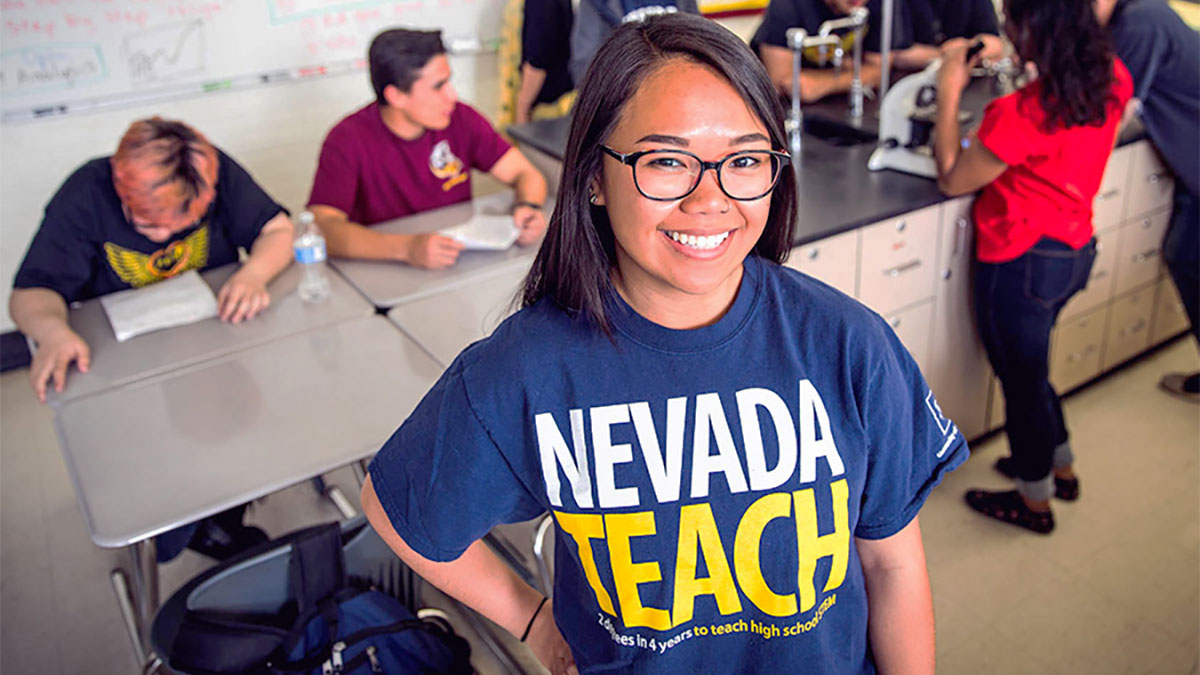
<point>701,243</point>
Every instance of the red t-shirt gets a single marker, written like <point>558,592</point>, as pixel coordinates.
<point>1052,178</point>
<point>373,175</point>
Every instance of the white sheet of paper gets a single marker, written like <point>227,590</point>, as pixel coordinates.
<point>177,301</point>
<point>485,232</point>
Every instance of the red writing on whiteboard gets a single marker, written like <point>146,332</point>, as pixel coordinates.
<point>27,27</point>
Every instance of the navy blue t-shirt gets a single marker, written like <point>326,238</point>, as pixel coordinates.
<point>781,15</point>
<point>707,485</point>
<point>936,21</point>
<point>1163,55</point>
<point>85,247</point>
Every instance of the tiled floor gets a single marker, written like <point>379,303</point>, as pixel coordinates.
<point>1115,589</point>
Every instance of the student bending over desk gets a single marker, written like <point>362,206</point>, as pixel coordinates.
<point>412,150</point>
<point>167,202</point>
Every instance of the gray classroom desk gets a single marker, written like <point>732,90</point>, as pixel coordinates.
<point>445,322</point>
<point>115,364</point>
<point>387,284</point>
<point>183,445</point>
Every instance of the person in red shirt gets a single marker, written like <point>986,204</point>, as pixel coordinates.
<point>1038,156</point>
<point>413,150</point>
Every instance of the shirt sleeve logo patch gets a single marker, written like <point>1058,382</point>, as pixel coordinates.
<point>141,269</point>
<point>446,166</point>
<point>949,431</point>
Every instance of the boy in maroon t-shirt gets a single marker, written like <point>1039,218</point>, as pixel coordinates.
<point>413,150</point>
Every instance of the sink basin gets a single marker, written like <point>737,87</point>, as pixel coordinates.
<point>836,133</point>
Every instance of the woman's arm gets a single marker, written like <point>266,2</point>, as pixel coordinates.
<point>900,605</point>
<point>960,171</point>
<point>483,582</point>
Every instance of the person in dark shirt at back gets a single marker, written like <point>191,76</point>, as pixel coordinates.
<point>939,25</point>
<point>545,55</point>
<point>166,202</point>
<point>1163,55</point>
<point>821,80</point>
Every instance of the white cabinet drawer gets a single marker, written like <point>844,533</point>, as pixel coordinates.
<point>1151,184</point>
<point>1099,289</point>
<point>1139,255</point>
<point>1075,352</point>
<point>1109,207</point>
<point>898,261</point>
<point>1128,327</point>
<point>1170,316</point>
<point>833,260</point>
<point>912,326</point>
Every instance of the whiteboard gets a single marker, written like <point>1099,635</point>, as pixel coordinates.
<point>64,56</point>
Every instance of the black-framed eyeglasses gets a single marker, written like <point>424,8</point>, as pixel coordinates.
<point>667,175</point>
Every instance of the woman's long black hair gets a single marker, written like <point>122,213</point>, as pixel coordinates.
<point>1073,54</point>
<point>574,264</point>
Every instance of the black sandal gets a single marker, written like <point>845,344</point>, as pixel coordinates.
<point>1066,489</point>
<point>1010,508</point>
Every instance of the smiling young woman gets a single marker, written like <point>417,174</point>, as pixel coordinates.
<point>734,454</point>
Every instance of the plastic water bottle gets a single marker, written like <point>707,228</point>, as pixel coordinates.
<point>310,253</point>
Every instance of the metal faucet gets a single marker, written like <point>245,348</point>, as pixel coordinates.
<point>798,40</point>
<point>856,23</point>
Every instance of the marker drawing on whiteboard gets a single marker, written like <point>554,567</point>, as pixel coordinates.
<point>50,110</point>
<point>218,84</point>
<point>165,52</point>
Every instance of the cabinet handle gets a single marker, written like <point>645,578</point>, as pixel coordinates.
<point>901,269</point>
<point>1156,177</point>
<point>947,273</point>
<point>1145,223</point>
<point>1099,275</point>
<point>1081,355</point>
<point>960,236</point>
<point>1110,194</point>
<point>895,323</point>
<point>1099,246</point>
<point>814,253</point>
<point>1135,328</point>
<point>1146,255</point>
<point>901,226</point>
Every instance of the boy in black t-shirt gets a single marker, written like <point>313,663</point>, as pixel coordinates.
<point>166,202</point>
<point>938,26</point>
<point>821,80</point>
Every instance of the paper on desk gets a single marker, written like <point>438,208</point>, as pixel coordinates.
<point>485,232</point>
<point>176,301</point>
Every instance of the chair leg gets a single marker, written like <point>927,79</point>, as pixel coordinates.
<point>360,471</point>
<point>539,553</point>
<point>339,499</point>
<point>120,584</point>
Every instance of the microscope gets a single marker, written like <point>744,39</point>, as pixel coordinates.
<point>825,41</point>
<point>908,112</point>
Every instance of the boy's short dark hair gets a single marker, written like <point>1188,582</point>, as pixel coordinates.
<point>397,55</point>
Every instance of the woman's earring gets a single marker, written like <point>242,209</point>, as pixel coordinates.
<point>593,199</point>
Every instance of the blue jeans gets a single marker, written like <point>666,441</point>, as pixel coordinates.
<point>1016,305</point>
<point>1181,251</point>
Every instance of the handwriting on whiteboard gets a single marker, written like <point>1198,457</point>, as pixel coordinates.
<point>166,52</point>
<point>46,66</point>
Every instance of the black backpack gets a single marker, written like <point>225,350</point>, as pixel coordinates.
<point>331,623</point>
